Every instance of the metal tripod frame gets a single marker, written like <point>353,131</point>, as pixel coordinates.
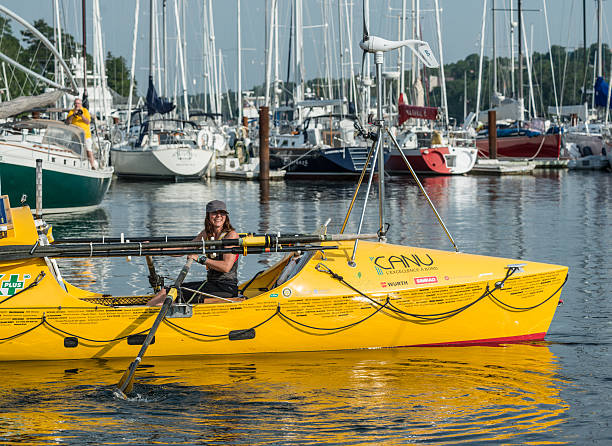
<point>379,156</point>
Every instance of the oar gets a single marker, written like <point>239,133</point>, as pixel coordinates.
<point>163,238</point>
<point>182,241</point>
<point>273,242</point>
<point>127,380</point>
<point>24,252</point>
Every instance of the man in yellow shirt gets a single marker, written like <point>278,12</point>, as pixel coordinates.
<point>80,117</point>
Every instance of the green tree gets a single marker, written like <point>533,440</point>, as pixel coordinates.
<point>118,74</point>
<point>15,78</point>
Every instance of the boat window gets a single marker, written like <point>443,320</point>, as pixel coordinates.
<point>63,137</point>
<point>294,266</point>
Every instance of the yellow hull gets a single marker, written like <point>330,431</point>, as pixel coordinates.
<point>394,296</point>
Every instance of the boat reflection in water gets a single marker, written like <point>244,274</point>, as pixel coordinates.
<point>442,395</point>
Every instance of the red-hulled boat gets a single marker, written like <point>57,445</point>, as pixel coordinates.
<point>431,151</point>
<point>440,160</point>
<point>540,146</point>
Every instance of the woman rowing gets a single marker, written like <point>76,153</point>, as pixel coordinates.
<point>221,284</point>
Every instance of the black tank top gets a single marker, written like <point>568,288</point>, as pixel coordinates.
<point>230,277</point>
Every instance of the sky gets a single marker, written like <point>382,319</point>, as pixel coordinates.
<point>460,27</point>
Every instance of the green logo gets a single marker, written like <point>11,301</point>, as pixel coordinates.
<point>11,286</point>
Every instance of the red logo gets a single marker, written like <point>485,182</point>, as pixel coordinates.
<point>422,280</point>
<point>383,284</point>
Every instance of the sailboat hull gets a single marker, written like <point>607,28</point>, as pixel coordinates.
<point>536,147</point>
<point>68,183</point>
<point>161,162</point>
<point>331,162</point>
<point>433,160</point>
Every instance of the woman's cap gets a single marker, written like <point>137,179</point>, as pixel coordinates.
<point>215,206</point>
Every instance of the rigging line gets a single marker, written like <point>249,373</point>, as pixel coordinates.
<point>429,317</point>
<point>45,67</point>
<point>23,332</point>
<point>534,306</point>
<point>172,324</point>
<point>13,68</point>
<point>563,77</point>
<point>344,327</point>
<point>101,341</point>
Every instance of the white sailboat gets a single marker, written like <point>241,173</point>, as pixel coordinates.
<point>158,147</point>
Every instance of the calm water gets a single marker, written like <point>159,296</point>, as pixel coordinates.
<point>554,392</point>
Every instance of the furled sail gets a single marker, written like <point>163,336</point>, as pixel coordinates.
<point>601,92</point>
<point>155,104</point>
<point>27,103</point>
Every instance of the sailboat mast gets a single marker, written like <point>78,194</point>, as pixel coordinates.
<point>464,95</point>
<point>341,53</point>
<point>482,36</point>
<point>85,102</point>
<point>403,37</point>
<point>215,79</point>
<point>150,127</point>
<point>276,61</point>
<point>151,39</point>
<point>133,66</point>
<point>164,52</point>
<point>599,50</point>
<point>181,62</point>
<point>270,44</point>
<point>442,76</point>
<point>58,29</point>
<point>520,52</point>
<point>239,98</point>
<point>512,80</point>
<point>494,48</point>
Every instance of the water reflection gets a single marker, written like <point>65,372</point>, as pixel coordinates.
<point>440,395</point>
<point>92,223</point>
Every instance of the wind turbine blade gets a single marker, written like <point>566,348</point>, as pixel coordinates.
<point>422,50</point>
<point>366,19</point>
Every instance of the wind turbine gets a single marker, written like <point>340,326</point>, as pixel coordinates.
<point>378,46</point>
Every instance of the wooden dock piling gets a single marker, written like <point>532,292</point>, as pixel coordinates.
<point>264,141</point>
<point>492,135</point>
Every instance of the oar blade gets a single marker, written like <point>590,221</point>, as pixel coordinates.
<point>126,383</point>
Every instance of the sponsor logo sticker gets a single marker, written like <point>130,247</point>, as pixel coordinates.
<point>402,264</point>
<point>274,295</point>
<point>12,284</point>
<point>393,284</point>
<point>425,280</point>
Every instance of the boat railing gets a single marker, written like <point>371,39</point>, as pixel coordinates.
<point>47,137</point>
<point>462,142</point>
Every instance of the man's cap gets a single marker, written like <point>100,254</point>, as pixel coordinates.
<point>216,205</point>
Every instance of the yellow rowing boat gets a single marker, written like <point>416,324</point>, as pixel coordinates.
<point>312,300</point>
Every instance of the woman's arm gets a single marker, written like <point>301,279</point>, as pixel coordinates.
<point>224,265</point>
